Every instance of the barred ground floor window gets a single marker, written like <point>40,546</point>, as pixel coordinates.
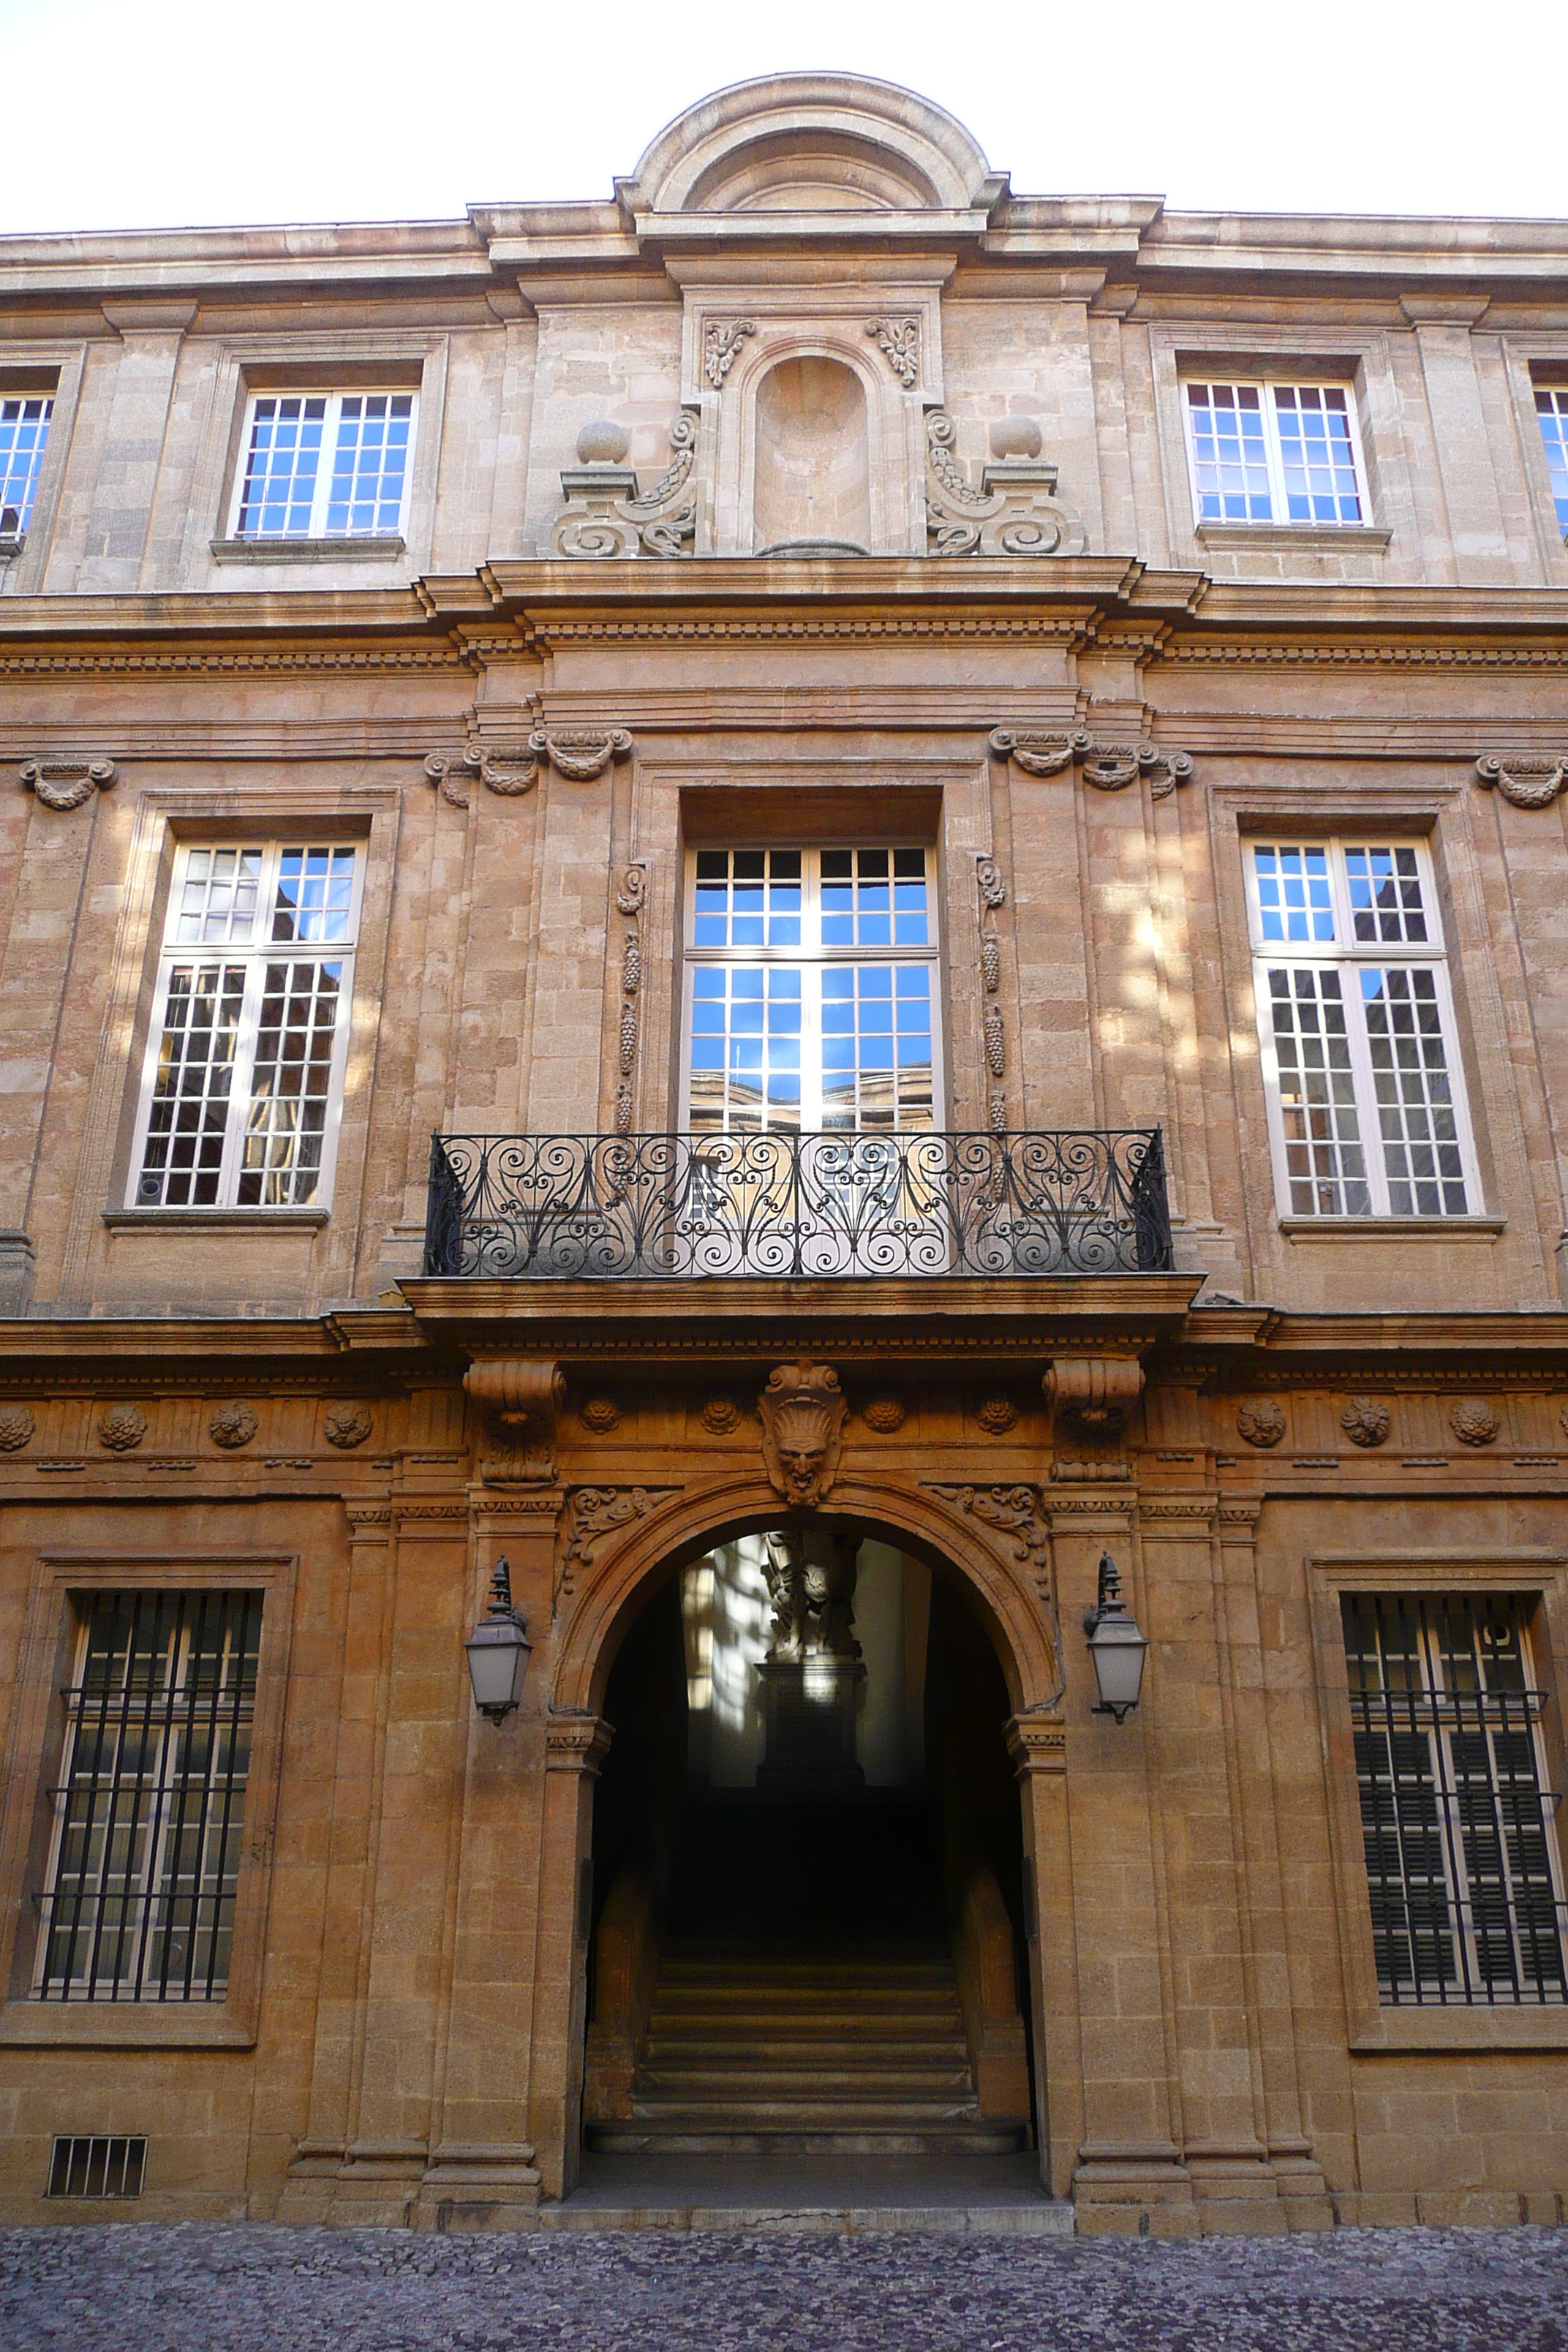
<point>1461,1854</point>
<point>149,1812</point>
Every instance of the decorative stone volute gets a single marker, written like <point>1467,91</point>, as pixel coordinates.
<point>521,1399</point>
<point>1089,1398</point>
<point>802,1411</point>
<point>1528,780</point>
<point>64,785</point>
<point>1016,511</point>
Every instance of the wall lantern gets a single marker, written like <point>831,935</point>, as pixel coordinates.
<point>1116,1645</point>
<point>498,1649</point>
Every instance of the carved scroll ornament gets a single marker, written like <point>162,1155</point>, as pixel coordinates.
<point>1528,782</point>
<point>505,768</point>
<point>803,1411</point>
<point>593,1513</point>
<point>1108,767</point>
<point>63,785</point>
<point>1089,1398</point>
<point>521,1401</point>
<point>1015,512</point>
<point>606,516</point>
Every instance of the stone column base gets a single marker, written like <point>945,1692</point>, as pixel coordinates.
<point>364,2185</point>
<point>1200,2191</point>
<point>468,2188</point>
<point>1132,2190</point>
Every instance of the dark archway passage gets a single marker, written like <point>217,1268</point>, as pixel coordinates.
<point>809,1923</point>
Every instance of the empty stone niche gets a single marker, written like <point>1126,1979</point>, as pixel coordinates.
<point>811,481</point>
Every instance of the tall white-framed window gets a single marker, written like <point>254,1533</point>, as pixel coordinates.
<point>243,1084</point>
<point>24,430</point>
<point>325,465</point>
<point>1270,452</point>
<point>1361,1063</point>
<point>1551,410</point>
<point>811,991</point>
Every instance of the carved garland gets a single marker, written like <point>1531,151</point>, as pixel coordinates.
<point>1108,767</point>
<point>579,753</point>
<point>594,1512</point>
<point>899,341</point>
<point>629,898</point>
<point>993,892</point>
<point>63,785</point>
<point>1527,782</point>
<point>721,340</point>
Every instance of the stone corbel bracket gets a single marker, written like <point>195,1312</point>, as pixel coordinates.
<point>64,785</point>
<point>1108,767</point>
<point>1528,781</point>
<point>604,518</point>
<point>1090,1399</point>
<point>521,1401</point>
<point>1015,512</point>
<point>581,754</point>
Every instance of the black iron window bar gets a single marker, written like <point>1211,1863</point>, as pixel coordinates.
<point>1465,1884</point>
<point>790,1203</point>
<point>138,1903</point>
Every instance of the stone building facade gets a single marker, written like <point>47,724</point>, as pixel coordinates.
<point>950,804</point>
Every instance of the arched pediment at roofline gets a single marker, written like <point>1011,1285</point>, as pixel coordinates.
<point>811,142</point>
<point>1003,1567</point>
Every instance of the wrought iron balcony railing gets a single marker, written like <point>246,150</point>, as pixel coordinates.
<point>637,1208</point>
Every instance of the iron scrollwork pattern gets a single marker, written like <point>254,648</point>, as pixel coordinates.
<point>786,1205</point>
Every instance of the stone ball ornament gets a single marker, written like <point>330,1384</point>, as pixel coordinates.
<point>1015,437</point>
<point>16,1426</point>
<point>348,1424</point>
<point>123,1428</point>
<point>1261,1422</point>
<point>603,443</point>
<point>1473,1421</point>
<point>1366,1421</point>
<point>231,1426</point>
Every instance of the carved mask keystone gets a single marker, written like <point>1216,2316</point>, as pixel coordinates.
<point>803,1413</point>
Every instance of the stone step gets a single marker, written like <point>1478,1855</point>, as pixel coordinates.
<point>748,2046</point>
<point>852,2080</point>
<point>800,2111</point>
<point>640,2136</point>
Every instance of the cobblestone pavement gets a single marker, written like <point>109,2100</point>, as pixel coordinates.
<point>260,2289</point>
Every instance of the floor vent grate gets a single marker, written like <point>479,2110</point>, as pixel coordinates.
<point>84,2165</point>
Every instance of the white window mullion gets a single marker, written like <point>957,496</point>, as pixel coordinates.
<point>811,1046</point>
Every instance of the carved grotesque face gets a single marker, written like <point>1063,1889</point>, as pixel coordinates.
<point>801,1467</point>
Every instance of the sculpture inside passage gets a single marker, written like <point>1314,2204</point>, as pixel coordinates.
<point>812,478</point>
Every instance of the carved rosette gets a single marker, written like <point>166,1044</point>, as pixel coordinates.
<point>16,1427</point>
<point>803,1413</point>
<point>601,1414</point>
<point>1523,779</point>
<point>721,340</point>
<point>1474,1421</point>
<point>1108,767</point>
<point>1366,1421</point>
<point>1015,512</point>
<point>884,1414</point>
<point>1261,1422</point>
<point>720,1416</point>
<point>348,1423</point>
<point>899,341</point>
<point>233,1425</point>
<point>123,1428</point>
<point>63,785</point>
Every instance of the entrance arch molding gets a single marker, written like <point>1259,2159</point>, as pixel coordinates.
<point>627,1566</point>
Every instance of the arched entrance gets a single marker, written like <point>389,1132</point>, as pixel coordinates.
<point>808,1931</point>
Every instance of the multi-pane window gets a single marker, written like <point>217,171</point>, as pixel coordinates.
<point>1464,1881</point>
<point>325,465</point>
<point>246,1063</point>
<point>23,429</point>
<point>148,1815</point>
<point>1366,1097</point>
<point>1551,408</point>
<point>811,990</point>
<point>1275,452</point>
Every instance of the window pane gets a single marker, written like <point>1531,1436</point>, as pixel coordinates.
<point>745,1047</point>
<point>1386,894</point>
<point>874,897</point>
<point>747,899</point>
<point>1459,1866</point>
<point>370,462</point>
<point>285,1119</point>
<point>138,1902</point>
<point>280,467</point>
<point>315,895</point>
<point>1229,459</point>
<point>1325,1160</point>
<point>217,897</point>
<point>23,429</point>
<point>1551,408</point>
<point>183,1158</point>
<point>875,1046</point>
<point>1414,1105</point>
<point>1294,900</point>
<point>1317,454</point>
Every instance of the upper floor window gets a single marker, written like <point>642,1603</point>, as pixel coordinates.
<point>811,990</point>
<point>1551,407</point>
<point>1273,453</point>
<point>325,465</point>
<point>245,1066</point>
<point>149,1817</point>
<point>23,429</point>
<point>1460,1866</point>
<point>1365,1096</point>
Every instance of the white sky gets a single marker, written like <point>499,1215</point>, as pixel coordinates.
<point>125,113</point>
